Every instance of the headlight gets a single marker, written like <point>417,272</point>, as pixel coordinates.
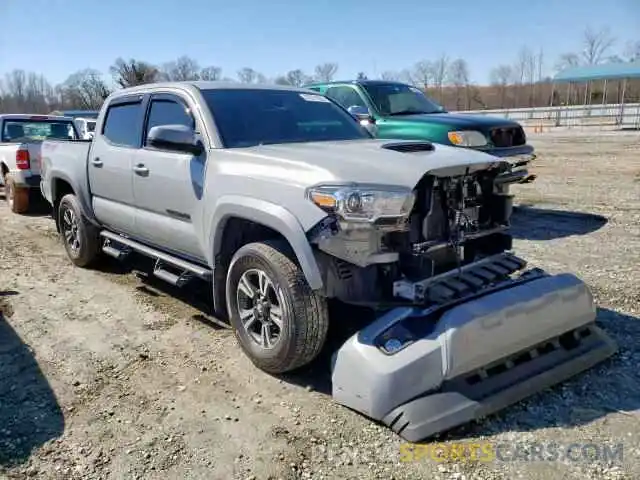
<point>363,202</point>
<point>467,138</point>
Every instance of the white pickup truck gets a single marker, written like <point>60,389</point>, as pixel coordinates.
<point>20,140</point>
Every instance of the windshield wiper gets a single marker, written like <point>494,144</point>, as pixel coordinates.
<point>408,112</point>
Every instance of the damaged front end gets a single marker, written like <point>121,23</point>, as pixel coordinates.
<point>465,328</point>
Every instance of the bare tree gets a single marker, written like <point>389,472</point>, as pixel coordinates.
<point>85,90</point>
<point>128,73</point>
<point>249,75</point>
<point>389,75</point>
<point>407,76</point>
<point>567,60</point>
<point>211,73</point>
<point>296,77</point>
<point>439,73</point>
<point>500,77</point>
<point>281,80</point>
<point>422,74</point>
<point>632,51</point>
<point>596,45</point>
<point>182,69</point>
<point>458,76</point>
<point>326,71</point>
<point>530,63</point>
<point>26,92</point>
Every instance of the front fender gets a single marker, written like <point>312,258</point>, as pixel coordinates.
<point>270,215</point>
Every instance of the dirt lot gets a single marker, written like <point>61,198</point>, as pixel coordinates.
<point>107,375</point>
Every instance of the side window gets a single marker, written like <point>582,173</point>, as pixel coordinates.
<point>168,112</point>
<point>122,124</point>
<point>346,96</point>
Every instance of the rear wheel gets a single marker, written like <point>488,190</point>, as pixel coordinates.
<point>79,236</point>
<point>17,197</point>
<point>279,321</point>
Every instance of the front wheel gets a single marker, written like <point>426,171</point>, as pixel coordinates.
<point>79,236</point>
<point>279,321</point>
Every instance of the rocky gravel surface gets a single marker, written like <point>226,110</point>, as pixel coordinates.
<point>105,374</point>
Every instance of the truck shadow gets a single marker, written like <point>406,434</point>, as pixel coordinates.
<point>532,223</point>
<point>30,414</point>
<point>198,295</point>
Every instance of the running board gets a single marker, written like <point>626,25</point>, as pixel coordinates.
<point>160,257</point>
<point>177,280</point>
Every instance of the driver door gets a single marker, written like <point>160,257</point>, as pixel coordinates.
<point>167,184</point>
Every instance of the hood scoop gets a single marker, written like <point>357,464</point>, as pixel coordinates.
<point>409,147</point>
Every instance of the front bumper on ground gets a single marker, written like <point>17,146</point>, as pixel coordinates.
<point>450,366</point>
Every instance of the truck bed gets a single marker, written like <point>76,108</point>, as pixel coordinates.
<point>70,163</point>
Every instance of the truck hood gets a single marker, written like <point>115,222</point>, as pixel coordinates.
<point>363,161</point>
<point>456,120</point>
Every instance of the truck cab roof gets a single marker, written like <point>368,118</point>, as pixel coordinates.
<point>352,82</point>
<point>206,85</point>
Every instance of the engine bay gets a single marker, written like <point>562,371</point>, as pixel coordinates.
<point>454,221</point>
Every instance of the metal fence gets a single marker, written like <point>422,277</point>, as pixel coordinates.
<point>611,114</point>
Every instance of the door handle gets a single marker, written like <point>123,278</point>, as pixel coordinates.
<point>141,170</point>
<point>96,162</point>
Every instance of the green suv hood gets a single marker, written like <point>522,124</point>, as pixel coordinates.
<point>455,120</point>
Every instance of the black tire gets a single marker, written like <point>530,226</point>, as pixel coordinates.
<point>88,245</point>
<point>304,319</point>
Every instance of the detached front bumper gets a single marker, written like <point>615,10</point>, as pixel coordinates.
<point>444,367</point>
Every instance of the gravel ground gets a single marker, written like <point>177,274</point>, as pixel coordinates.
<point>105,374</point>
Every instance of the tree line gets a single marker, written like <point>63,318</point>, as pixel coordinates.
<point>522,83</point>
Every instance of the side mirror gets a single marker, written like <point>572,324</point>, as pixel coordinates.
<point>361,113</point>
<point>174,137</point>
<point>364,117</point>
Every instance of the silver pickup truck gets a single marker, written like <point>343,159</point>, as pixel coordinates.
<point>280,199</point>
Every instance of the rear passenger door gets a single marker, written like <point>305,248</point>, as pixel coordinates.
<point>111,160</point>
<point>167,184</point>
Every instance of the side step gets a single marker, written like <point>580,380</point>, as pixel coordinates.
<point>163,272</point>
<point>119,247</point>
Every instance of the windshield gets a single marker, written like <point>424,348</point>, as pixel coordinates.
<point>393,99</point>
<point>18,130</point>
<point>247,117</point>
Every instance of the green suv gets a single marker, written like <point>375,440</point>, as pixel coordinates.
<point>401,111</point>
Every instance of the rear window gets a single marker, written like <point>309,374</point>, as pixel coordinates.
<point>17,131</point>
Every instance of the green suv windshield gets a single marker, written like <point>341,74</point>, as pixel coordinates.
<point>394,99</point>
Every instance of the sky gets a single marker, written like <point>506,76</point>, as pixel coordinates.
<point>59,37</point>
